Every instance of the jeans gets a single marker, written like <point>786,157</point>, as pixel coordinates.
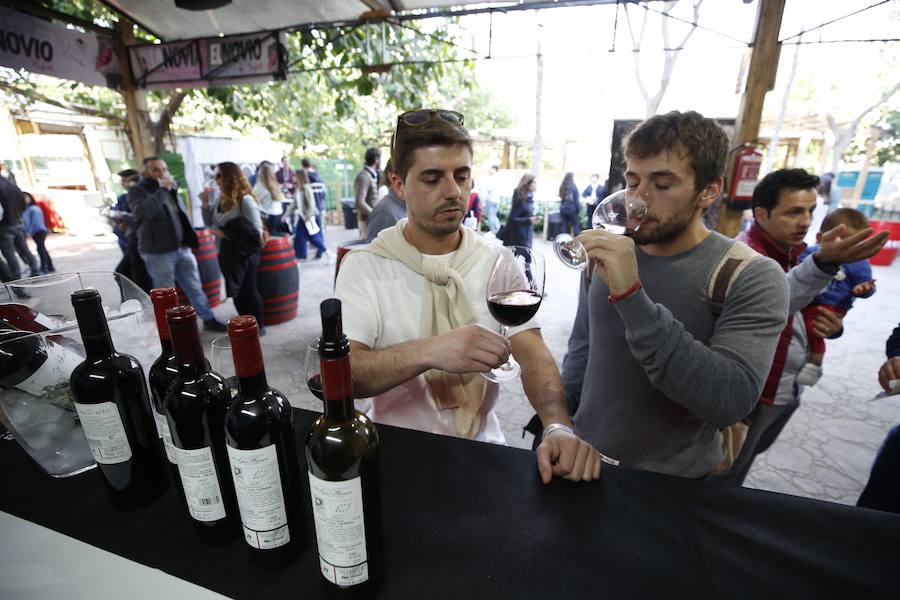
<point>12,242</point>
<point>46,262</point>
<point>179,266</point>
<point>570,223</point>
<point>490,214</point>
<point>302,237</point>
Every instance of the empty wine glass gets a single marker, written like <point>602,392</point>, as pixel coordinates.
<point>221,361</point>
<point>620,213</point>
<point>314,369</point>
<point>514,292</point>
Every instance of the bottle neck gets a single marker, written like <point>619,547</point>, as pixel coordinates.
<point>188,351</point>
<point>94,330</point>
<point>337,388</point>
<point>248,362</point>
<point>166,346</point>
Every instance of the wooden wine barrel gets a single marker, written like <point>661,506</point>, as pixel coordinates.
<point>278,280</point>
<point>208,265</point>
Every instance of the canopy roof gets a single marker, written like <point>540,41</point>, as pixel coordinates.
<point>164,20</point>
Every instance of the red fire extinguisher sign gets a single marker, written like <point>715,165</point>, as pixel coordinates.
<point>745,174</point>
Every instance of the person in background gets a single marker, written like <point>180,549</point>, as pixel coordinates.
<point>783,203</point>
<point>268,194</point>
<point>426,373</point>
<point>852,281</point>
<point>521,220</point>
<point>12,232</point>
<point>123,220</point>
<point>569,205</point>
<point>306,228</point>
<point>593,195</point>
<point>491,199</point>
<point>365,189</point>
<point>473,212</point>
<point>238,223</point>
<point>33,218</point>
<point>829,191</point>
<point>319,191</point>
<point>882,492</point>
<point>388,211</point>
<point>165,237</point>
<point>287,178</point>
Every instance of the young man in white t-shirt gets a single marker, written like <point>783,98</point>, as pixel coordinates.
<point>385,296</point>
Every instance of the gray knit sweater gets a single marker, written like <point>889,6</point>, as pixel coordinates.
<point>657,374</point>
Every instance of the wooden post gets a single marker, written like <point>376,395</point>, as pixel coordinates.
<point>760,79</point>
<point>135,98</point>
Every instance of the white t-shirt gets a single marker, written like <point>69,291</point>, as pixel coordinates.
<point>382,306</point>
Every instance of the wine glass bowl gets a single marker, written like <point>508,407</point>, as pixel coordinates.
<point>514,292</point>
<point>620,213</point>
<point>221,361</point>
<point>314,369</point>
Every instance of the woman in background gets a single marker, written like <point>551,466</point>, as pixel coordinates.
<point>519,225</point>
<point>569,206</point>
<point>35,226</point>
<point>268,192</point>
<point>239,225</point>
<point>304,207</point>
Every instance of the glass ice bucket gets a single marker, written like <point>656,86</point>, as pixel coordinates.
<point>39,410</point>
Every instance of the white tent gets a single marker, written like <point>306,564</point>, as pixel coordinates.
<point>201,154</point>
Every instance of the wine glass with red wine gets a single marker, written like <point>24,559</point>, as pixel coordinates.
<point>621,213</point>
<point>514,292</point>
<point>314,369</point>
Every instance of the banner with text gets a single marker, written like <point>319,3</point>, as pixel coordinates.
<point>39,46</point>
<point>212,61</point>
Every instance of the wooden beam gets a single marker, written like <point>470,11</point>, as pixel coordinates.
<point>760,80</point>
<point>135,99</point>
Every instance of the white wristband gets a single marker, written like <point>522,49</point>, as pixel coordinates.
<point>553,427</point>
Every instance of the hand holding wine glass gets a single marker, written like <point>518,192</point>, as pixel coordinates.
<point>620,213</point>
<point>514,292</point>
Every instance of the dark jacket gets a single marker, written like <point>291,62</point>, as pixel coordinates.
<point>892,348</point>
<point>519,229</point>
<point>569,202</point>
<point>13,202</point>
<point>599,193</point>
<point>155,219</point>
<point>240,245</point>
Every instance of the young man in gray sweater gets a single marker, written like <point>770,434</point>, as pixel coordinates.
<point>656,372</point>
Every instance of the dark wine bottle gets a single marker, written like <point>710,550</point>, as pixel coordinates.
<point>162,373</point>
<point>35,365</point>
<point>25,318</point>
<point>113,404</point>
<point>196,404</point>
<point>342,454</point>
<point>262,450</point>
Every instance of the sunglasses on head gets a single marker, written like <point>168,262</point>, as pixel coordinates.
<point>413,118</point>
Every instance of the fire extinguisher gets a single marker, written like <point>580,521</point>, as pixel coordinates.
<point>744,175</point>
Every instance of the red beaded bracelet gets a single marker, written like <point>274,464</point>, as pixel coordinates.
<point>616,297</point>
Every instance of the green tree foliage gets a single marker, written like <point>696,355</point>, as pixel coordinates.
<point>344,88</point>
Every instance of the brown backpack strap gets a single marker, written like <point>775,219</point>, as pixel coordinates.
<point>724,275</point>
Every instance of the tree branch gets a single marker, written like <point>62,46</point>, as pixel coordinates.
<point>636,46</point>
<point>85,110</point>
<point>166,116</point>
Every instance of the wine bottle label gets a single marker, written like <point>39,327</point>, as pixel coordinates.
<point>162,427</point>
<point>201,484</point>
<point>44,320</point>
<point>105,432</point>
<point>257,482</point>
<point>340,530</point>
<point>56,369</point>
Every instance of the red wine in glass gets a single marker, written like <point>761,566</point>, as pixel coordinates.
<point>514,307</point>
<point>314,384</point>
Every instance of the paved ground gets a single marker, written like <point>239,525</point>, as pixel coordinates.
<point>825,451</point>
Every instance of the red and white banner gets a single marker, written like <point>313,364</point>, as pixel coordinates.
<point>39,46</point>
